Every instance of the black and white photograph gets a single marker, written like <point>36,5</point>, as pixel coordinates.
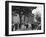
<point>24,18</point>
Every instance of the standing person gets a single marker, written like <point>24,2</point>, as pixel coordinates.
<point>26,22</point>
<point>16,20</point>
<point>21,19</point>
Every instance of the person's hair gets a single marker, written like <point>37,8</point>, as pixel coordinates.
<point>14,13</point>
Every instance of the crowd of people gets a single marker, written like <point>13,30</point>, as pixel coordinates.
<point>26,20</point>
